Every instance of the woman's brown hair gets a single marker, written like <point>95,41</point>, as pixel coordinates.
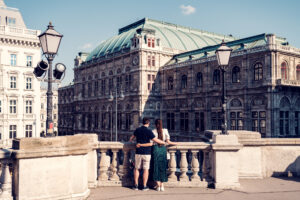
<point>158,124</point>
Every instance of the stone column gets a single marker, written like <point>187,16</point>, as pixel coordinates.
<point>195,166</point>
<point>226,161</point>
<point>183,166</point>
<point>104,164</point>
<point>172,166</point>
<point>6,182</point>
<point>114,176</point>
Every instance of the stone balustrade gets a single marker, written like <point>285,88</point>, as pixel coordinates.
<point>116,158</point>
<point>66,167</point>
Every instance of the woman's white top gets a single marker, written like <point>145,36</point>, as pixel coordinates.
<point>166,135</point>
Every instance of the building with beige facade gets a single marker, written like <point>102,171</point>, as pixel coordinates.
<point>20,90</point>
<point>170,71</point>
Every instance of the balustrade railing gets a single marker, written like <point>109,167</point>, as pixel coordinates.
<point>189,164</point>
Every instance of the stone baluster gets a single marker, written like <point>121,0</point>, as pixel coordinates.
<point>126,163</point>
<point>183,166</point>
<point>114,176</point>
<point>195,166</point>
<point>206,167</point>
<point>104,164</point>
<point>6,181</point>
<point>172,166</point>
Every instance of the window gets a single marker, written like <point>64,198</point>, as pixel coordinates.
<point>103,87</point>
<point>236,121</point>
<point>184,121</point>
<point>13,59</point>
<point>216,120</point>
<point>153,61</point>
<point>54,105</point>
<point>29,61</point>
<point>297,123</point>
<point>149,61</point>
<point>284,71</point>
<point>12,106</point>
<point>199,122</point>
<point>151,42</point>
<point>298,72</point>
<point>28,108</point>
<point>216,77</point>
<point>284,123</point>
<point>110,84</point>
<point>89,89</point>
<point>96,88</point>
<point>236,75</point>
<point>171,121</point>
<point>83,90</point>
<point>119,82</point>
<point>128,121</point>
<point>89,121</point>
<point>42,106</point>
<point>42,125</point>
<point>199,79</point>
<point>259,122</point>
<point>11,21</point>
<point>28,83</point>
<point>13,82</point>
<point>96,119</point>
<point>183,82</point>
<point>103,124</point>
<point>119,122</point>
<point>127,82</point>
<point>12,131</point>
<point>28,131</point>
<point>170,83</point>
<point>54,116</point>
<point>258,72</point>
<point>151,84</point>
<point>83,121</point>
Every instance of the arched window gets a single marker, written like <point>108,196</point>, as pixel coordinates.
<point>298,72</point>
<point>284,117</point>
<point>216,77</point>
<point>183,81</point>
<point>170,83</point>
<point>258,71</point>
<point>199,79</point>
<point>284,71</point>
<point>236,75</point>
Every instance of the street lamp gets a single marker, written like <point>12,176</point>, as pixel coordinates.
<point>111,98</point>
<point>223,55</point>
<point>50,41</point>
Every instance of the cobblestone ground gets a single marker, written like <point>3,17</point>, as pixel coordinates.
<point>266,189</point>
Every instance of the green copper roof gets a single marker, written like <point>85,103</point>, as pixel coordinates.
<point>171,36</point>
<point>240,44</point>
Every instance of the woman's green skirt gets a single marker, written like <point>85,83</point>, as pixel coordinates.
<point>159,163</point>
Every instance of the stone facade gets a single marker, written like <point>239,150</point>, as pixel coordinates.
<point>177,79</point>
<point>44,110</point>
<point>19,89</point>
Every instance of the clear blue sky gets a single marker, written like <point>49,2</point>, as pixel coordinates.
<point>85,23</point>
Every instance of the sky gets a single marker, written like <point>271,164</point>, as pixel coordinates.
<point>85,23</point>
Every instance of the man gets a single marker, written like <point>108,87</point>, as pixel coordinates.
<point>143,136</point>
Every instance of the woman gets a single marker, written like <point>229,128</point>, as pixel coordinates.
<point>159,155</point>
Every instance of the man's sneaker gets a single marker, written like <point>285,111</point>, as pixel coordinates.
<point>162,189</point>
<point>158,189</point>
<point>135,187</point>
<point>145,188</point>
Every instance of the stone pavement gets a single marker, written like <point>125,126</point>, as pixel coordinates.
<point>282,188</point>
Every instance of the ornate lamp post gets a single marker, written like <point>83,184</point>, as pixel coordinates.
<point>50,41</point>
<point>223,55</point>
<point>111,98</point>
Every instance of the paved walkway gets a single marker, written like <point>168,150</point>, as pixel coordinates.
<point>266,189</point>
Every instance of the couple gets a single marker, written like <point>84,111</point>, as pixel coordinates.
<point>144,138</point>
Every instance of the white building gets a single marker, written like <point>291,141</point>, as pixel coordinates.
<point>19,89</point>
